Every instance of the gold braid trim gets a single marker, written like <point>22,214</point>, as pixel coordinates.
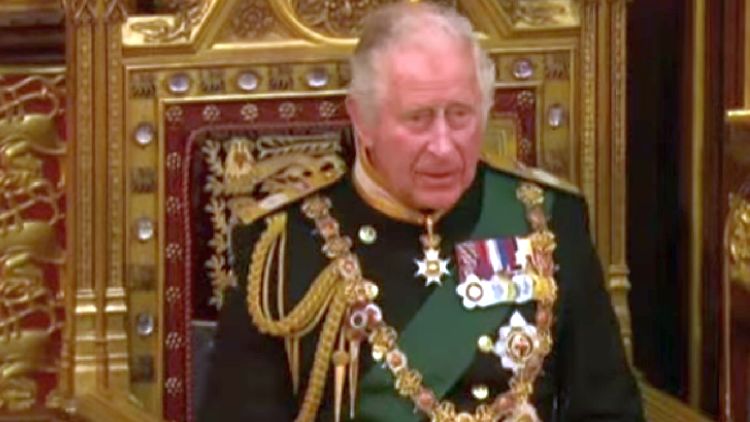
<point>323,353</point>
<point>303,317</point>
<point>327,293</point>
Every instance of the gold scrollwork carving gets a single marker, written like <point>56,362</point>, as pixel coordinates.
<point>179,26</point>
<point>217,267</point>
<point>143,179</point>
<point>252,19</point>
<point>16,95</point>
<point>143,85</point>
<point>739,240</point>
<point>21,177</point>
<point>270,146</point>
<point>29,212</point>
<point>337,18</point>
<point>281,77</point>
<point>541,12</point>
<point>212,81</point>
<point>342,18</point>
<point>557,66</point>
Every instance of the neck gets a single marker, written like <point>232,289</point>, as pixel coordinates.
<point>371,188</point>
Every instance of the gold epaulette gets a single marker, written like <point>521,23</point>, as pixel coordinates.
<point>284,180</point>
<point>256,188</point>
<point>532,174</point>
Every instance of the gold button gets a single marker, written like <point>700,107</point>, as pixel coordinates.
<point>480,392</point>
<point>465,417</point>
<point>371,290</point>
<point>368,235</point>
<point>485,344</point>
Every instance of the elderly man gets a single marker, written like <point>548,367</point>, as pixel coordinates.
<point>350,303</point>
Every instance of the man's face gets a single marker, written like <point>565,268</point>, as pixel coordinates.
<point>425,139</point>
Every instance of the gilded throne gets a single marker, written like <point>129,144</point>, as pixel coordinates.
<point>219,110</point>
<point>238,140</point>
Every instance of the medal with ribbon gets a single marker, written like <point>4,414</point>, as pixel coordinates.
<point>493,271</point>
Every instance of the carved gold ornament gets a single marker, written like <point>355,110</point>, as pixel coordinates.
<point>338,18</point>
<point>739,240</point>
<point>538,13</point>
<point>252,19</point>
<point>186,15</point>
<point>218,269</point>
<point>29,212</point>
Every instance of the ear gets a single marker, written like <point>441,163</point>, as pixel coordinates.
<point>361,124</point>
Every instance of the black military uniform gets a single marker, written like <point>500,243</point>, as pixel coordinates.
<point>585,377</point>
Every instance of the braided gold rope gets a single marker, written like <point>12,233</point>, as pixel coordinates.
<point>319,374</point>
<point>300,319</point>
<point>327,293</point>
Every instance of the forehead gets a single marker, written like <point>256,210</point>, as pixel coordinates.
<point>431,68</point>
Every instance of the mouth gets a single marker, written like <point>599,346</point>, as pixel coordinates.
<point>440,178</point>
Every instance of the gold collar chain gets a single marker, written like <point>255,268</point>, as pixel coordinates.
<point>363,320</point>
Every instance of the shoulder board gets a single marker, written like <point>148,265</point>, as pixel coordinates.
<point>533,174</point>
<point>276,182</point>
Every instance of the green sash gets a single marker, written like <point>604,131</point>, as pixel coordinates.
<point>440,341</point>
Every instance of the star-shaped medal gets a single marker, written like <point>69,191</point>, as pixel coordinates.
<point>432,267</point>
<point>516,342</point>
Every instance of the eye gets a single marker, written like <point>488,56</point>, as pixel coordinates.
<point>419,119</point>
<point>459,115</point>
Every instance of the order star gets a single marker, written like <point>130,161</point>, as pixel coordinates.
<point>432,268</point>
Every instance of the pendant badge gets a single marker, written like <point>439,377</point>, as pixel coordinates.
<point>432,267</point>
<point>516,343</point>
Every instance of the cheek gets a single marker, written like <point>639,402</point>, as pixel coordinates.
<point>469,145</point>
<point>399,148</point>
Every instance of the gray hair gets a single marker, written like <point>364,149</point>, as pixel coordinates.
<point>396,22</point>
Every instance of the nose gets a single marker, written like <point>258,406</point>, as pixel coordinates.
<point>441,143</point>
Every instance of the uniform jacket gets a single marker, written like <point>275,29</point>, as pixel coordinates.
<point>585,377</point>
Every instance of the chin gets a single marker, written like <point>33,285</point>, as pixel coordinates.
<point>436,200</point>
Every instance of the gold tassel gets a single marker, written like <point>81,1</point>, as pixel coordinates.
<point>353,375</point>
<point>340,361</point>
<point>323,357</point>
<point>291,344</point>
